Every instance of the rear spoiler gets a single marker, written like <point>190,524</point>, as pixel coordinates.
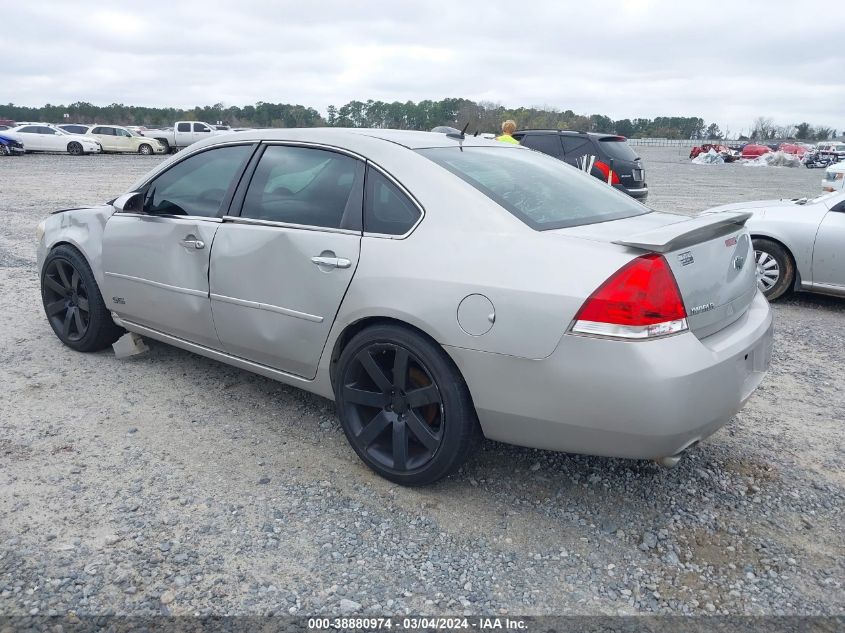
<point>687,232</point>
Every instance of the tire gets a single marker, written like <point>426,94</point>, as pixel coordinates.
<point>145,148</point>
<point>69,292</point>
<point>775,268</point>
<point>74,149</point>
<point>5,151</point>
<point>167,148</point>
<point>404,406</point>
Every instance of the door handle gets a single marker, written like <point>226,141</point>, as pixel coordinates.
<point>192,242</point>
<point>331,262</point>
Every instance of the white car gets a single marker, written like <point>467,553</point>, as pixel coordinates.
<point>115,138</point>
<point>834,177</point>
<point>46,138</point>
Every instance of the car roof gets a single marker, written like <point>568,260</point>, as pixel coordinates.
<point>406,138</point>
<point>532,131</point>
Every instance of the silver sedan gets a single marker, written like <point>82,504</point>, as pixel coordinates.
<point>799,243</point>
<point>438,288</point>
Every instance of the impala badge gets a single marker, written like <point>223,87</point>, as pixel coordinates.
<point>686,258</point>
<point>739,262</point>
<point>702,308</point>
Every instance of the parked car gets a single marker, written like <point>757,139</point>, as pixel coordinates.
<point>608,157</point>
<point>74,128</point>
<point>798,243</point>
<point>834,177</point>
<point>46,138</point>
<point>115,138</point>
<point>754,150</point>
<point>435,287</point>
<point>835,151</point>
<point>182,134</point>
<point>10,147</point>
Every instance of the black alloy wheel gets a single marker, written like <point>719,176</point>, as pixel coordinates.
<point>73,303</point>
<point>404,408</point>
<point>66,300</point>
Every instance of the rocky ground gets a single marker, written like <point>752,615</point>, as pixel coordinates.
<point>169,483</point>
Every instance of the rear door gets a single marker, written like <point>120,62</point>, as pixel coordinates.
<point>30,138</point>
<point>106,136</point>
<point>829,250</point>
<point>155,263</point>
<point>280,269</point>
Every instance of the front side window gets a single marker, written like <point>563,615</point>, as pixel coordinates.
<point>301,185</point>
<point>122,132</point>
<point>197,185</point>
<point>47,130</point>
<point>387,210</point>
<point>199,127</point>
<point>541,191</point>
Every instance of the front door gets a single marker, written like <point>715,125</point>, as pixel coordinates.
<point>829,251</point>
<point>280,270</point>
<point>156,263</point>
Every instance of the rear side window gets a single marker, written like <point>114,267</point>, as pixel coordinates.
<point>616,147</point>
<point>30,129</point>
<point>301,185</point>
<point>197,185</point>
<point>574,146</point>
<point>542,192</point>
<point>546,143</point>
<point>387,210</point>
<point>183,127</point>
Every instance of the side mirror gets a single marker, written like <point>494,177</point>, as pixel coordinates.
<point>132,202</point>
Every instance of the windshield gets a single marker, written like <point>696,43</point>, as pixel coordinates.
<point>544,192</point>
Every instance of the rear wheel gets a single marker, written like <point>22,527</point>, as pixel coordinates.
<point>73,303</point>
<point>145,148</point>
<point>403,405</point>
<point>74,148</point>
<point>775,269</point>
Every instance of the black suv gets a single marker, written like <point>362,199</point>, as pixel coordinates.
<point>606,156</point>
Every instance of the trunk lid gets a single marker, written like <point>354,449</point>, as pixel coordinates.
<point>711,257</point>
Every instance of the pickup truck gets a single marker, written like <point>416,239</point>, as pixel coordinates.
<point>182,134</point>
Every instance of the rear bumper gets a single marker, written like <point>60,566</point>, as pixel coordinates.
<point>640,193</point>
<point>642,399</point>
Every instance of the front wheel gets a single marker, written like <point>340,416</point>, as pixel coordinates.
<point>4,150</point>
<point>404,406</point>
<point>146,149</point>
<point>775,269</point>
<point>74,149</point>
<point>73,303</point>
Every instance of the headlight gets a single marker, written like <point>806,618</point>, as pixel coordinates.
<point>39,230</point>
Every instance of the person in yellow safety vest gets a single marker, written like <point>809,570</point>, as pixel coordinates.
<point>508,128</point>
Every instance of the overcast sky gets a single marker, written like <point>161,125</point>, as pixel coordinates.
<point>727,62</point>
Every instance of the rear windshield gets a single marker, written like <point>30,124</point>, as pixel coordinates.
<point>543,192</point>
<point>618,148</point>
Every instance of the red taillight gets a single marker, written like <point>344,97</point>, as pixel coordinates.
<point>610,176</point>
<point>640,300</point>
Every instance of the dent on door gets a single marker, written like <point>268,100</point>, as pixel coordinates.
<point>275,292</point>
<point>156,274</point>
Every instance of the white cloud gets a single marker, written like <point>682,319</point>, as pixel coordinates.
<point>725,61</point>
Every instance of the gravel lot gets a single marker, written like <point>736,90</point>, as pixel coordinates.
<point>169,483</point>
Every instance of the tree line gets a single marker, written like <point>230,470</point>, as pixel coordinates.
<point>423,115</point>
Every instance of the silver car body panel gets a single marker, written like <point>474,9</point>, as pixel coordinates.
<point>812,231</point>
<point>532,382</point>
